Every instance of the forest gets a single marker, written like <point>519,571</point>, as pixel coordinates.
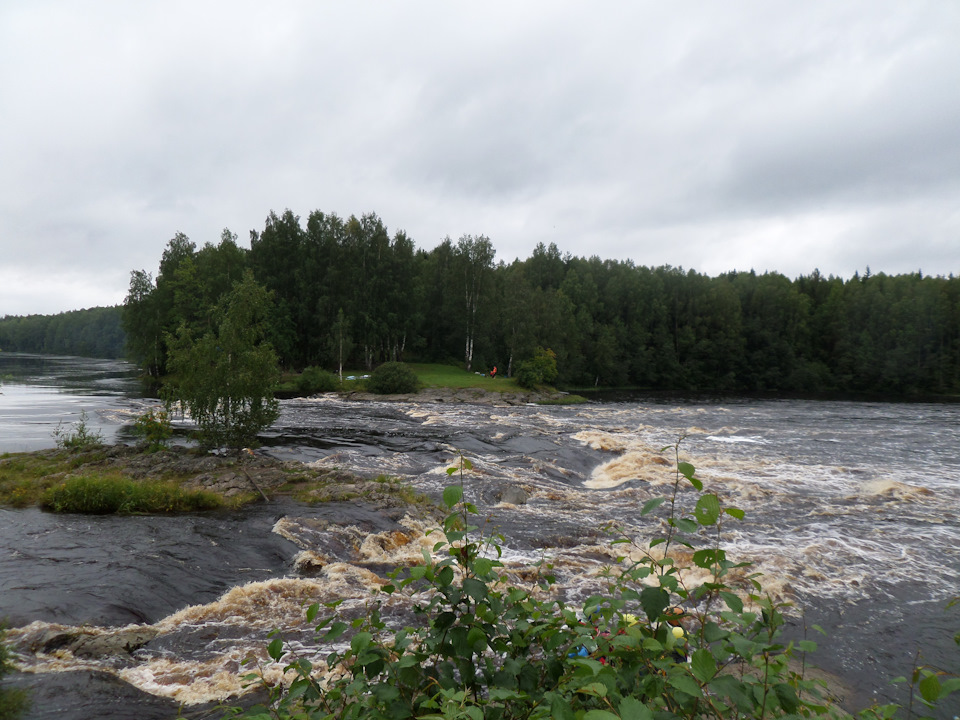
<point>346,292</point>
<point>96,332</point>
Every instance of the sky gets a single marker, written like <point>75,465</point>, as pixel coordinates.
<point>776,135</point>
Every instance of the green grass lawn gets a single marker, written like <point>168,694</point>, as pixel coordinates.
<point>448,376</point>
<point>434,375</point>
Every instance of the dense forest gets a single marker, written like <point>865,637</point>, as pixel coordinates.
<point>97,332</point>
<point>347,292</point>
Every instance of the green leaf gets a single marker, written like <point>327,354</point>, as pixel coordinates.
<point>703,666</point>
<point>312,612</point>
<point>360,641</point>
<point>599,715</point>
<point>476,589</point>
<point>336,630</point>
<point>685,683</point>
<point>734,512</point>
<point>686,525</point>
<point>452,495</point>
<point>705,558</point>
<point>713,632</point>
<point>632,709</point>
<point>654,601</point>
<point>482,566</point>
<point>707,510</point>
<point>787,696</point>
<point>560,708</point>
<point>477,639</point>
<point>728,686</point>
<point>597,689</point>
<point>451,470</point>
<point>930,688</point>
<point>686,469</point>
<point>650,505</point>
<point>951,685</point>
<point>733,601</point>
<point>275,648</point>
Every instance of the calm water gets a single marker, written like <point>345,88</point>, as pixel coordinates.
<point>38,393</point>
<point>853,514</point>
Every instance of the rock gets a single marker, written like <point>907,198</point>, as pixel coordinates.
<point>512,494</point>
<point>93,643</point>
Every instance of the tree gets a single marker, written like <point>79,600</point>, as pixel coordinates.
<point>340,341</point>
<point>540,370</point>
<point>225,379</point>
<point>475,255</point>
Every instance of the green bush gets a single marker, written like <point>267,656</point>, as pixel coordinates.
<point>154,429</point>
<point>107,495</point>
<point>486,648</point>
<point>316,380</point>
<point>79,436</point>
<point>538,371</point>
<point>393,378</point>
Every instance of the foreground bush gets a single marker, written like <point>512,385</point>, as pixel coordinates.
<point>106,495</point>
<point>656,645</point>
<point>393,378</point>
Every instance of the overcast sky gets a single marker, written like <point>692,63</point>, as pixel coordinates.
<point>781,136</point>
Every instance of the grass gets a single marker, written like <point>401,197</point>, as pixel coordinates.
<point>73,481</point>
<point>69,481</point>
<point>112,494</point>
<point>449,376</point>
<point>434,375</point>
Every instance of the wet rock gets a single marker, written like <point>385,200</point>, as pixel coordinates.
<point>92,643</point>
<point>513,494</point>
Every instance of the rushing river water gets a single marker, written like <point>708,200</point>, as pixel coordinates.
<point>852,513</point>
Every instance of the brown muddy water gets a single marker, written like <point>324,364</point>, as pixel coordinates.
<point>852,513</point>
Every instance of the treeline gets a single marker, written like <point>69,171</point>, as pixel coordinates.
<point>97,332</point>
<point>347,292</point>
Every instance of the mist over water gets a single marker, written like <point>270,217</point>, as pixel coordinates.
<point>851,514</point>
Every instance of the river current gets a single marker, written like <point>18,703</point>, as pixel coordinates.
<point>852,514</point>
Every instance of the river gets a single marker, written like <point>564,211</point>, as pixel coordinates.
<point>852,513</point>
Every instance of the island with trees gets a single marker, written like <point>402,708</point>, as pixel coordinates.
<point>344,292</point>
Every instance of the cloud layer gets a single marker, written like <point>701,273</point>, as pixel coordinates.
<point>774,136</point>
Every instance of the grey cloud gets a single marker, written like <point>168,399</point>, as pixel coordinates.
<point>681,135</point>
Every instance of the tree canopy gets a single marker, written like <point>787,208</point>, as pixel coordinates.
<point>348,293</point>
<point>226,376</point>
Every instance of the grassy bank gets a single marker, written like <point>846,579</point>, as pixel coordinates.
<point>448,377</point>
<point>122,480</point>
<point>67,481</point>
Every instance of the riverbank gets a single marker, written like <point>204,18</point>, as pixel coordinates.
<point>26,478</point>
<point>472,395</point>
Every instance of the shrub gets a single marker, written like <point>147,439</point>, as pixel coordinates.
<point>315,380</point>
<point>154,429</point>
<point>80,437</point>
<point>540,370</point>
<point>655,645</point>
<point>393,378</point>
<point>107,495</point>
